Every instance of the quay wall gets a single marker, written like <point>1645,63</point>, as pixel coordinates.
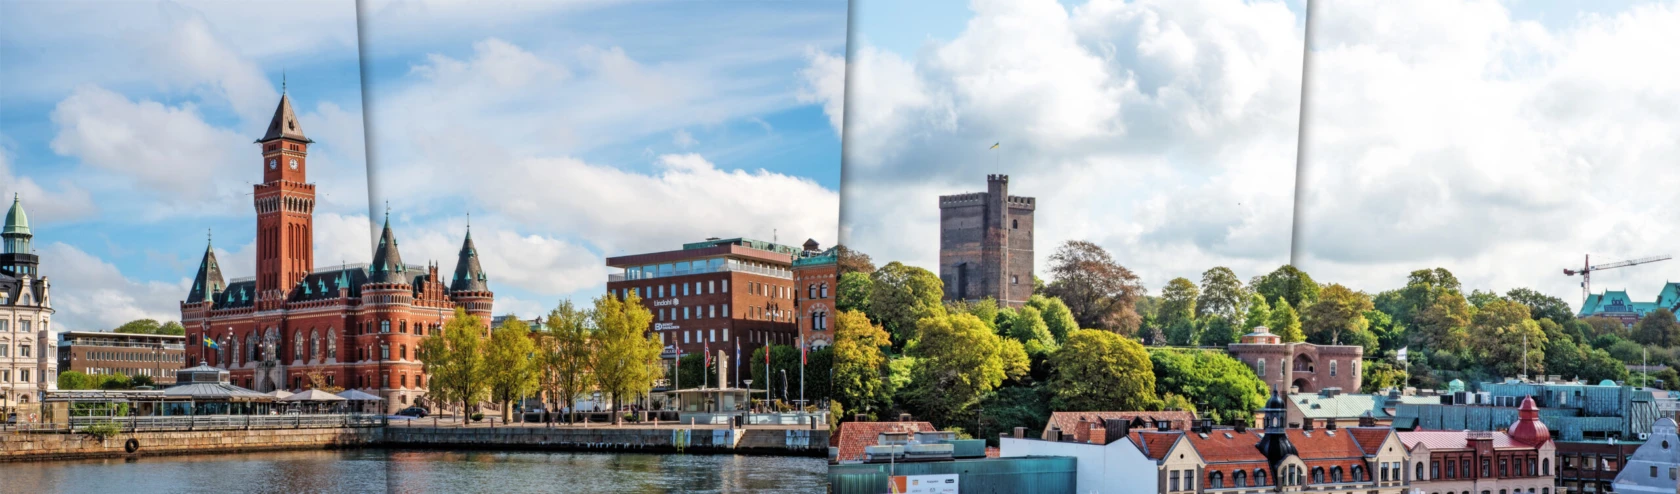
<point>36,446</point>
<point>781,442</point>
<point>25,446</point>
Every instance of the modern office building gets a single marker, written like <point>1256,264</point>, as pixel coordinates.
<point>1299,367</point>
<point>718,294</point>
<point>156,356</point>
<point>355,326</point>
<point>986,244</point>
<point>28,350</point>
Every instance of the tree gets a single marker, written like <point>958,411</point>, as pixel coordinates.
<point>509,363</point>
<point>625,356</point>
<point>1259,312</point>
<point>1100,292</point>
<point>1029,328</point>
<point>1504,335</point>
<point>1379,375</point>
<point>959,361</point>
<point>1542,306</point>
<point>318,380</point>
<point>172,328</point>
<point>115,381</point>
<point>73,380</point>
<point>1217,332</point>
<point>567,343</point>
<point>141,380</point>
<point>1286,283</point>
<point>784,361</point>
<point>1227,388</point>
<point>1657,328</point>
<point>1338,310</point>
<point>1178,308</point>
<point>1424,288</point>
<point>1479,298</point>
<point>454,361</point>
<point>852,291</point>
<point>1390,337</point>
<point>1601,326</point>
<point>1222,295</point>
<point>1285,324</point>
<point>986,309</point>
<point>1056,315</point>
<point>1180,332</point>
<point>139,326</point>
<point>858,361</point>
<point>1013,406</point>
<point>1099,370</point>
<point>900,296</point>
<point>852,261</point>
<point>1598,365</point>
<point>1442,324</point>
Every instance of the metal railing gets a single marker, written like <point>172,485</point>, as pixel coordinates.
<point>206,423</point>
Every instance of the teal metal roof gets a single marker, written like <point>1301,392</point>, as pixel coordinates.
<point>830,256</point>
<point>1029,474</point>
<point>16,221</point>
<point>1617,302</point>
<point>745,242</point>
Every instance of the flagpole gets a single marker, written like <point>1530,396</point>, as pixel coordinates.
<point>802,371</point>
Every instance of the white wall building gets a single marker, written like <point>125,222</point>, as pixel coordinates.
<point>28,347</point>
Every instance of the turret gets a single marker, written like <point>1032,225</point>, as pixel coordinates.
<point>387,262</point>
<point>208,282</point>
<point>469,277</point>
<point>1528,429</point>
<point>16,257</point>
<point>1275,443</point>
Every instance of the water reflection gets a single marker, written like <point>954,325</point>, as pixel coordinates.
<point>407,471</point>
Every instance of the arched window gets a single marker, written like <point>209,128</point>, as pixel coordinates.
<point>824,290</point>
<point>297,345</point>
<point>1332,368</point>
<point>1260,367</point>
<point>811,290</point>
<point>403,327</point>
<point>1336,474</point>
<point>384,351</point>
<point>1546,466</point>
<point>1532,468</point>
<point>1259,478</point>
<point>402,351</point>
<point>251,347</point>
<point>1216,480</point>
<point>1359,474</point>
<point>332,343</point>
<point>314,345</point>
<point>1239,478</point>
<point>1318,475</point>
<point>1418,475</point>
<point>384,326</point>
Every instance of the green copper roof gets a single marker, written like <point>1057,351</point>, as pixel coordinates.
<point>16,221</point>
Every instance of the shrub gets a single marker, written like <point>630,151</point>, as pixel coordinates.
<point>102,430</point>
<point>477,416</point>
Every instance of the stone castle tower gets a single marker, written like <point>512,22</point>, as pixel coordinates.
<point>986,244</point>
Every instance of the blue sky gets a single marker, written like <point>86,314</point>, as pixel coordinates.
<point>127,126</point>
<point>573,131</point>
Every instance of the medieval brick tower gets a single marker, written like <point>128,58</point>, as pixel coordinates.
<point>986,244</point>
<point>346,326</point>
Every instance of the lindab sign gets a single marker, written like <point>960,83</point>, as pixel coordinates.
<point>924,484</point>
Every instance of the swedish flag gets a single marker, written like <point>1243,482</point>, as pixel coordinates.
<point>211,343</point>
<point>994,146</point>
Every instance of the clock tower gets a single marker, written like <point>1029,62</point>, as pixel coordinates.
<point>285,204</point>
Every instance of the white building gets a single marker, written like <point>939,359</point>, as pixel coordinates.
<point>1655,467</point>
<point>28,348</point>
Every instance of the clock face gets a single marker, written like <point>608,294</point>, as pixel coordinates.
<point>294,163</point>
<point>273,163</point>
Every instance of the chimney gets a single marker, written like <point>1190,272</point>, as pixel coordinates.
<point>1307,424</point>
<point>1096,434</point>
<point>1329,424</point>
<point>1116,429</point>
<point>1367,420</point>
<point>1081,430</point>
<point>904,417</point>
<point>860,418</point>
<point>1054,434</point>
<point>1163,425</point>
<point>1020,433</point>
<point>1241,427</point>
<point>1206,426</point>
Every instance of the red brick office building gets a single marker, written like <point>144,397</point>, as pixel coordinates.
<point>728,293</point>
<point>358,326</point>
<point>816,275</point>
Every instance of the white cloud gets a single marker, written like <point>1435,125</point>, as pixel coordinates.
<point>166,148</point>
<point>1462,136</point>
<point>89,293</point>
<point>530,262</point>
<point>1164,131</point>
<point>824,81</point>
<point>65,202</point>
<point>683,139</point>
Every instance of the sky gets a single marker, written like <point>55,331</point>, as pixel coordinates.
<point>127,127</point>
<point>1504,141</point>
<point>1164,131</point>
<point>573,131</point>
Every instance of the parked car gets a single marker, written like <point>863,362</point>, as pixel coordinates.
<point>416,412</point>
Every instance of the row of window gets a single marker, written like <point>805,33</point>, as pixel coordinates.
<point>23,325</point>
<point>1543,490</point>
<point>1260,367</point>
<point>704,266</point>
<point>1593,462</point>
<point>23,376</point>
<point>23,349</point>
<point>130,356</point>
<point>1540,468</point>
<point>129,372</point>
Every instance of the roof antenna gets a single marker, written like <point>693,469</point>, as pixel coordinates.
<point>282,82</point>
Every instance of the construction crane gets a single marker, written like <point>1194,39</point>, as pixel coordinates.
<point>1587,269</point>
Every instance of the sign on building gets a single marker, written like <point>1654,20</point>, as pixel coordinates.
<point>924,484</point>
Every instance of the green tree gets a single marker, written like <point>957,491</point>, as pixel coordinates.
<point>1286,283</point>
<point>1504,334</point>
<point>454,361</point>
<point>1443,324</point>
<point>1217,332</point>
<point>1180,332</point>
<point>1259,312</point>
<point>1338,310</point>
<point>172,328</point>
<point>1100,292</point>
<point>1657,328</point>
<point>626,355</point>
<point>852,261</point>
<point>567,341</point>
<point>960,360</point>
<point>1379,375</point>
<point>142,380</point>
<point>1285,324</point>
<point>1390,337</point>
<point>1602,326</point>
<point>1228,388</point>
<point>1222,295</point>
<point>73,380</point>
<point>510,365</point>
<point>115,381</point>
<point>900,296</point>
<point>859,362</point>
<point>139,326</point>
<point>1563,357</point>
<point>986,309</point>
<point>1424,288</point>
<point>1479,298</point>
<point>784,361</point>
<point>1013,406</point>
<point>1029,329</point>
<point>692,371</point>
<point>1178,307</point>
<point>852,292</point>
<point>1098,370</point>
<point>1056,315</point>
<point>1542,306</point>
<point>1598,366</point>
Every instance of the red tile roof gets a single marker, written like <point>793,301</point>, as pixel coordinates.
<point>1226,445</point>
<point>1324,444</point>
<point>855,436</point>
<point>1155,444</point>
<point>1068,421</point>
<point>1370,438</point>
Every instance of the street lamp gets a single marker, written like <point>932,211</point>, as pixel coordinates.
<point>749,392</point>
